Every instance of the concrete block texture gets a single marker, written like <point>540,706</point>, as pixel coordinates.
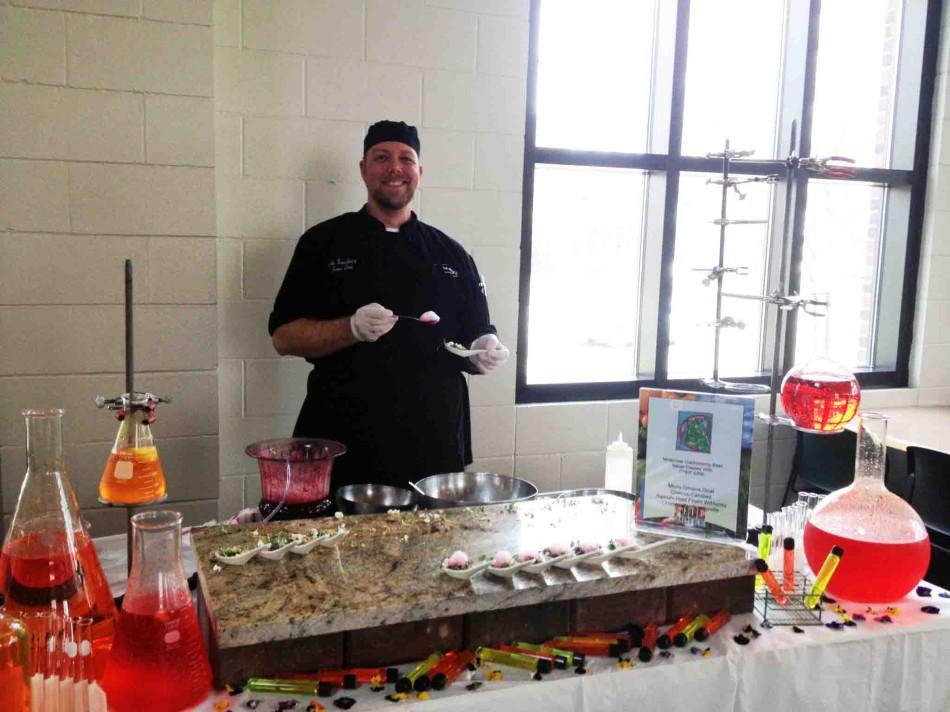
<point>301,148</point>
<point>71,124</point>
<point>141,200</point>
<point>191,412</point>
<point>258,82</point>
<point>248,207</point>
<point>32,45</point>
<point>194,12</point>
<point>568,427</point>
<point>493,431</point>
<point>265,262</point>
<point>35,196</point>
<point>475,218</point>
<point>275,386</point>
<point>179,130</point>
<point>331,28</point>
<point>473,102</point>
<point>354,90</point>
<point>70,269</point>
<point>121,8</point>
<point>181,270</point>
<point>227,23</point>
<point>139,55</point>
<point>502,46</point>
<point>420,35</point>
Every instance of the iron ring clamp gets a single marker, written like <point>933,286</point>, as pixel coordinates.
<point>127,403</point>
<point>812,307</point>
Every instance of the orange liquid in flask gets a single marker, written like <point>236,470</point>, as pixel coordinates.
<point>132,476</point>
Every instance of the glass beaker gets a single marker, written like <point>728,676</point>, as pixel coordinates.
<point>158,661</point>
<point>820,395</point>
<point>14,663</point>
<point>48,561</point>
<point>885,542</point>
<point>295,475</point>
<point>133,473</point>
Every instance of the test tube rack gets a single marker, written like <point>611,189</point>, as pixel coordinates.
<point>795,611</point>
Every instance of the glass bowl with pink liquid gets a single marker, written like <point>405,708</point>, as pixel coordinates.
<point>295,470</point>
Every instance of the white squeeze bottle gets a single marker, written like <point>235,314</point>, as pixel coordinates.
<point>618,474</point>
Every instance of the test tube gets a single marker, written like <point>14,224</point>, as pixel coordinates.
<point>573,657</point>
<point>648,642</point>
<point>689,632</point>
<point>825,573</point>
<point>408,683</point>
<point>283,687</point>
<point>516,660</point>
<point>447,660</point>
<point>666,640</point>
<point>765,547</point>
<point>715,623</point>
<point>788,564</point>
<point>450,672</point>
<point>84,664</point>
<point>622,643</point>
<point>769,578</point>
<point>558,661</point>
<point>588,646</point>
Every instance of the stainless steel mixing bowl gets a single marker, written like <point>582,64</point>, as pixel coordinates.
<point>373,499</point>
<point>464,489</point>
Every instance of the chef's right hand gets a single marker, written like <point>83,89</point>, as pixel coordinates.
<point>371,321</point>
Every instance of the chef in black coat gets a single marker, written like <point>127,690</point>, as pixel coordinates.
<point>386,386</point>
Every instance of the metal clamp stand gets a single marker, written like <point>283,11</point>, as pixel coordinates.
<point>129,401</point>
<point>780,297</point>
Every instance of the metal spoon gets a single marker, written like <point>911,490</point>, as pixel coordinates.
<point>430,318</point>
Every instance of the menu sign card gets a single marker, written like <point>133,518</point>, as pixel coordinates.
<point>694,460</point>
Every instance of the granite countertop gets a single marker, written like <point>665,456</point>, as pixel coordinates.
<point>387,569</point>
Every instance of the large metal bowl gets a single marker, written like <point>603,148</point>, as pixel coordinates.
<point>464,489</point>
<point>373,499</point>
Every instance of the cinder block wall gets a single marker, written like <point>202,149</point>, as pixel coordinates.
<point>107,153</point>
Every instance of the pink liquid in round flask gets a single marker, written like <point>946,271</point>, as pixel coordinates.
<point>820,396</point>
<point>885,542</point>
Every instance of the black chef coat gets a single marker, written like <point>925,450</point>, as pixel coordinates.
<point>399,404</point>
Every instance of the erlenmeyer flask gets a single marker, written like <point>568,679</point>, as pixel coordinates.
<point>133,473</point>
<point>820,395</point>
<point>48,561</point>
<point>14,663</point>
<point>159,659</point>
<point>885,542</point>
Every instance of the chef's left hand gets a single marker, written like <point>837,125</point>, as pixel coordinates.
<point>496,353</point>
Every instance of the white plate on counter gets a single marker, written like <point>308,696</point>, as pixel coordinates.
<point>465,573</point>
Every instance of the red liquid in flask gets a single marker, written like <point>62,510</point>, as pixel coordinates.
<point>158,661</point>
<point>37,573</point>
<point>870,571</point>
<point>820,401</point>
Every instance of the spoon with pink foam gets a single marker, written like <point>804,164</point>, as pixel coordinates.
<point>429,317</point>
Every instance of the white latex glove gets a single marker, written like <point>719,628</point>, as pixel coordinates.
<point>495,355</point>
<point>372,321</point>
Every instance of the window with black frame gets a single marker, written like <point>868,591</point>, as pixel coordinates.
<point>625,100</point>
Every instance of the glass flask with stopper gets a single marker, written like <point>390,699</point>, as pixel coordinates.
<point>820,395</point>
<point>158,662</point>
<point>48,562</point>
<point>885,542</point>
<point>133,473</point>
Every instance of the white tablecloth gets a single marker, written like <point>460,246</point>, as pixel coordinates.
<point>873,666</point>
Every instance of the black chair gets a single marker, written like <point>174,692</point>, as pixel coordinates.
<point>929,473</point>
<point>822,463</point>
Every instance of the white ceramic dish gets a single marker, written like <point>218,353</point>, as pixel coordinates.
<point>634,552</point>
<point>607,553</point>
<point>507,571</point>
<point>458,351</point>
<point>332,539</point>
<point>277,554</point>
<point>575,559</point>
<point>465,573</point>
<point>239,559</point>
<point>306,546</point>
<point>539,567</point>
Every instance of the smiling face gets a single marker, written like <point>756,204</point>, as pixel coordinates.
<point>391,172</point>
